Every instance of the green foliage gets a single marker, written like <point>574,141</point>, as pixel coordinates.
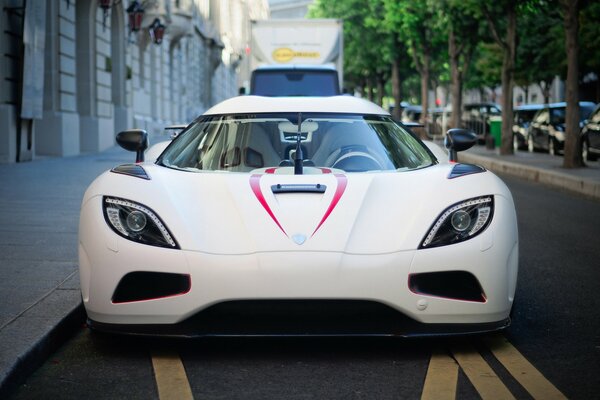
<point>589,42</point>
<point>540,52</point>
<point>367,46</point>
<point>487,66</point>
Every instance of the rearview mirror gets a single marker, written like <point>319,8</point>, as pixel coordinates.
<point>134,140</point>
<point>459,140</point>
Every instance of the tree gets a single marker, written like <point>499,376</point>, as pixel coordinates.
<point>462,29</point>
<point>366,46</point>
<point>540,34</point>
<point>487,67</point>
<point>572,157</point>
<point>589,50</point>
<point>413,19</point>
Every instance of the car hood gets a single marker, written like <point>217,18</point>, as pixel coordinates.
<point>357,213</point>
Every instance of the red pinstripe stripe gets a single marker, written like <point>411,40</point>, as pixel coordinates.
<point>255,185</point>
<point>342,181</point>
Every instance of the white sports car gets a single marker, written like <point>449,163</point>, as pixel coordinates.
<point>297,216</point>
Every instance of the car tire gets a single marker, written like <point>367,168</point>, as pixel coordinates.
<point>585,152</point>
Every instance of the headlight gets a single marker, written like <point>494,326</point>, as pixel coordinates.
<point>135,222</point>
<point>460,222</point>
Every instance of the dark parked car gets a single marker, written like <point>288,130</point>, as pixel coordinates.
<point>547,130</point>
<point>476,117</point>
<point>523,115</point>
<point>590,140</point>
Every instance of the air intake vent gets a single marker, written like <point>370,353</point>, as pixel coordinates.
<point>465,169</point>
<point>138,286</point>
<point>455,285</point>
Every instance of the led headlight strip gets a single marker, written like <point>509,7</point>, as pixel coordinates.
<point>483,206</point>
<point>113,214</point>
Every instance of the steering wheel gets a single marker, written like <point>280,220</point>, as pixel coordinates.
<point>355,158</point>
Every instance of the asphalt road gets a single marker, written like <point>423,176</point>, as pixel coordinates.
<point>555,326</point>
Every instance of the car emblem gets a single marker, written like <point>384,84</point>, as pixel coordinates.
<point>299,238</point>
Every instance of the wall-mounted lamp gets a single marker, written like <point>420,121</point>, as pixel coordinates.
<point>135,13</point>
<point>157,31</point>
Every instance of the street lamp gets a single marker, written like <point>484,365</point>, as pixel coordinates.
<point>135,13</point>
<point>157,31</point>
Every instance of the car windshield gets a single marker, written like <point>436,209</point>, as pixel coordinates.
<point>242,143</point>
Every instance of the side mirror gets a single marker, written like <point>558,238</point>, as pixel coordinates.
<point>134,140</point>
<point>458,140</point>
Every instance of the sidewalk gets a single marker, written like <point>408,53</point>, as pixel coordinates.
<point>39,216</point>
<point>538,167</point>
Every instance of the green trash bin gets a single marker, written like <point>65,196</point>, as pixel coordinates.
<point>496,130</point>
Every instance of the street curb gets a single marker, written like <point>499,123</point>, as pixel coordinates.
<point>555,179</point>
<point>39,352</point>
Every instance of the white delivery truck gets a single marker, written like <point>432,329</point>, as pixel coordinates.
<point>296,57</point>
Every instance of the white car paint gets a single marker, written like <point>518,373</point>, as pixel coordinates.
<point>238,240</point>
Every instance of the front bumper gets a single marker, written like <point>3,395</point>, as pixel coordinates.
<point>300,276</point>
<point>292,318</point>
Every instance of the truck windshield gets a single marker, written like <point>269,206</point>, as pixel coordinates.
<point>295,83</point>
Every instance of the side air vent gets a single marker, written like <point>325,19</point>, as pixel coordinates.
<point>455,285</point>
<point>132,170</point>
<point>138,286</point>
<point>465,169</point>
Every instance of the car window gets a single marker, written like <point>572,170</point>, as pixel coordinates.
<point>557,115</point>
<point>242,143</point>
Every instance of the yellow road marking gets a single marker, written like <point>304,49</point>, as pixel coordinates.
<point>522,370</point>
<point>441,378</point>
<point>171,378</point>
<point>481,375</point>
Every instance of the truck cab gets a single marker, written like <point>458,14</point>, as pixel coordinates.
<point>295,80</point>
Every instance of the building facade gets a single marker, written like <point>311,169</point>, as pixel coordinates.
<point>74,73</point>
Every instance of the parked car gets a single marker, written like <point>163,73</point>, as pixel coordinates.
<point>547,129</point>
<point>590,139</point>
<point>523,115</point>
<point>476,117</point>
<point>296,216</point>
<point>411,113</point>
<point>439,118</point>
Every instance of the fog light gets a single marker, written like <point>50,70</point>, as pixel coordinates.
<point>136,221</point>
<point>461,220</point>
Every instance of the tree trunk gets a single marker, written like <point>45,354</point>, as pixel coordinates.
<point>456,81</point>
<point>425,93</point>
<point>396,88</point>
<point>508,65</point>
<point>572,157</point>
<point>370,88</point>
<point>380,90</point>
